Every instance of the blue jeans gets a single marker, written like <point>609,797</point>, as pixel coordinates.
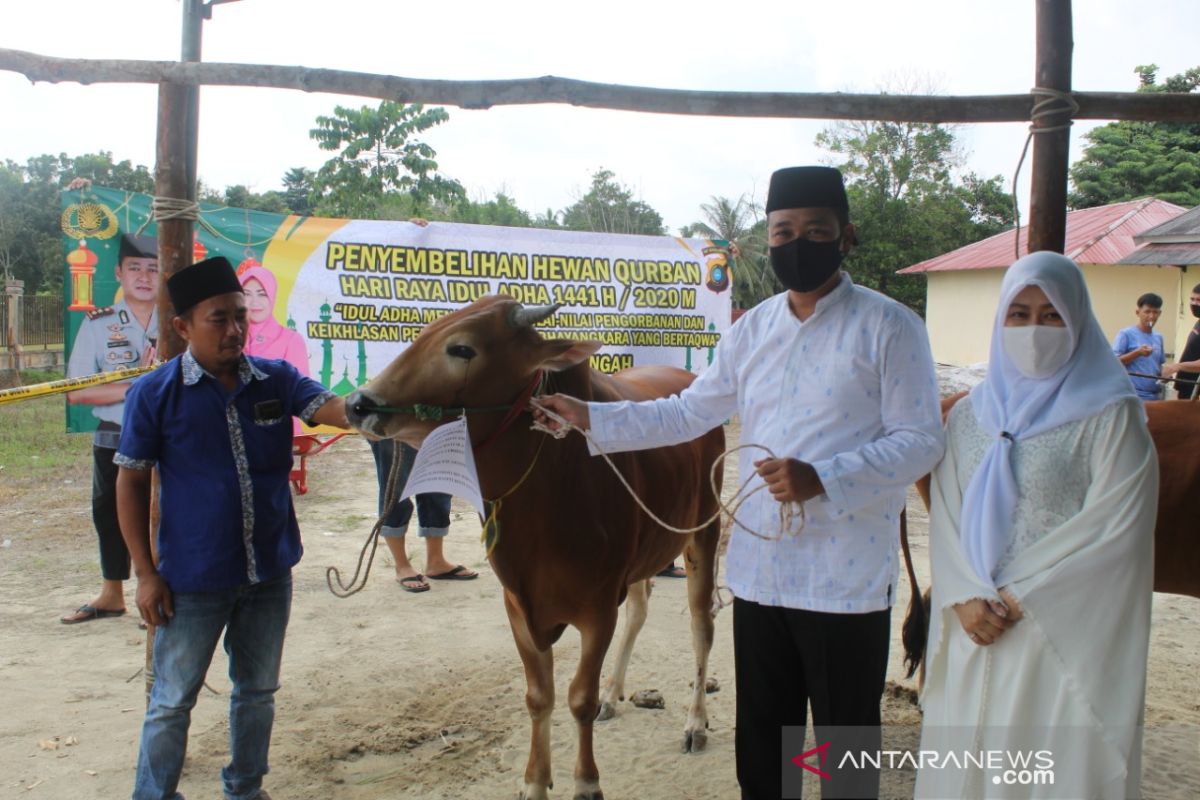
<point>433,508</point>
<point>254,619</point>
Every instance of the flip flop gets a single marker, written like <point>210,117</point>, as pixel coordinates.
<point>458,573</point>
<point>88,612</point>
<point>672,571</point>
<point>413,583</point>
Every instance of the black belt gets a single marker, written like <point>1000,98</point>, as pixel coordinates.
<point>109,426</point>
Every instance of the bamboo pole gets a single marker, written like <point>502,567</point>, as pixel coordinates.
<point>1052,148</point>
<point>482,94</point>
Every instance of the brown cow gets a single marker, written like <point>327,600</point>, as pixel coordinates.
<point>1175,428</point>
<point>572,544</point>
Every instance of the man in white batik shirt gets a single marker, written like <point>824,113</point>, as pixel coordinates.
<point>838,381</point>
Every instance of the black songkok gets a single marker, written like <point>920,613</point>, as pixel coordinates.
<point>807,187</point>
<point>134,246</point>
<point>202,280</point>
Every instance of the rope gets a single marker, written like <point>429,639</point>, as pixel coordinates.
<point>1053,102</point>
<point>490,534</point>
<point>438,413</point>
<point>389,500</point>
<point>163,208</point>
<point>788,512</point>
<point>1141,375</point>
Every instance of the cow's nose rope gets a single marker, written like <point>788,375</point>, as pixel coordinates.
<point>788,512</point>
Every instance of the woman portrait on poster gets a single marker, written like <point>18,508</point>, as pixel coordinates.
<point>266,338</point>
<point>1041,545</point>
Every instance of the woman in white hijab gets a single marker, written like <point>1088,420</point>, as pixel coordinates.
<point>1041,537</point>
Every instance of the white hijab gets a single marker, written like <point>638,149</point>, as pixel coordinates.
<point>1011,407</point>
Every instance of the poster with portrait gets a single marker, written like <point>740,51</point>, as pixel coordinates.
<point>342,298</point>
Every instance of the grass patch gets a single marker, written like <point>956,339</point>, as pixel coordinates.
<point>354,522</point>
<point>34,438</point>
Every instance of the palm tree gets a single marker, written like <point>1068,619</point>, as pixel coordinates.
<point>740,223</point>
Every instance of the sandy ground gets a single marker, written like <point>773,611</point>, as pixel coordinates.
<point>395,695</point>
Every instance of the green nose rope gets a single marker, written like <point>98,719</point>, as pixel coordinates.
<point>437,413</point>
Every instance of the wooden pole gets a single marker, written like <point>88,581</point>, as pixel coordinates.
<point>1051,151</point>
<point>480,94</point>
<point>174,178</point>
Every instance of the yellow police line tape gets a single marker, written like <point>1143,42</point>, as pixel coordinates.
<point>70,384</point>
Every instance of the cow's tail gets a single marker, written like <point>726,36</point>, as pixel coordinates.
<point>915,630</point>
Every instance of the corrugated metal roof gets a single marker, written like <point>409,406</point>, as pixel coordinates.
<point>1101,235</point>
<point>1184,228</point>
<point>1177,255</point>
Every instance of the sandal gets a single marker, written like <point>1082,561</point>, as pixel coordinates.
<point>413,583</point>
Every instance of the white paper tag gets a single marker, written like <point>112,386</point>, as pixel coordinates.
<point>445,463</point>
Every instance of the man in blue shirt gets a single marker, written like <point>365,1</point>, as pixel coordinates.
<point>1140,349</point>
<point>217,424</point>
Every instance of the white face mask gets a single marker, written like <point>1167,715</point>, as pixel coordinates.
<point>1037,351</point>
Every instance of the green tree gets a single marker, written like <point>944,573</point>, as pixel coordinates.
<point>1129,159</point>
<point>740,222</point>
<point>29,235</point>
<point>500,210</point>
<point>378,156</point>
<point>239,196</point>
<point>906,203</point>
<point>609,207</point>
<point>298,188</point>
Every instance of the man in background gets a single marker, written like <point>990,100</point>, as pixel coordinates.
<point>1188,367</point>
<point>1140,348</point>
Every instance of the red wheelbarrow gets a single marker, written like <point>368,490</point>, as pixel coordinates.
<point>303,446</point>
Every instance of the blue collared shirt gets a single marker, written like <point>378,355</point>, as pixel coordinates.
<point>224,459</point>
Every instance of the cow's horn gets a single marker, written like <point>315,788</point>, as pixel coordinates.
<point>521,317</point>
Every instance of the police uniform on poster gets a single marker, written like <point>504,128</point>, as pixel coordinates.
<point>110,339</point>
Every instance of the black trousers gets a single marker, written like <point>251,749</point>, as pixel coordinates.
<point>786,660</point>
<point>114,556</point>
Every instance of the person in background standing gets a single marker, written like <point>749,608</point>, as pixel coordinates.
<point>1188,366</point>
<point>1140,348</point>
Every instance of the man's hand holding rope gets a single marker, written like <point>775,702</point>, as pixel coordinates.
<point>573,410</point>
<point>790,480</point>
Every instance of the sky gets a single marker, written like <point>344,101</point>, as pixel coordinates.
<point>544,156</point>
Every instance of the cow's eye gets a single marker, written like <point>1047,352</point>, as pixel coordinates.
<point>461,351</point>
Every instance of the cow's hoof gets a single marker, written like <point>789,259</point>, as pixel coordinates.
<point>591,793</point>
<point>607,711</point>
<point>695,741</point>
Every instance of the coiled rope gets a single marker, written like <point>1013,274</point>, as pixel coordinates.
<point>1053,102</point>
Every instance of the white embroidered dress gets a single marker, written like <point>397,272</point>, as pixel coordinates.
<point>1069,678</point>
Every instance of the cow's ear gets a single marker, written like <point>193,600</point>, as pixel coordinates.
<point>560,354</point>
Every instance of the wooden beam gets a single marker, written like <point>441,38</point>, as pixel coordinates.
<point>1147,106</point>
<point>1052,132</point>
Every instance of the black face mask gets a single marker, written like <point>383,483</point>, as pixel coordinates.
<point>803,265</point>
<point>1196,311</point>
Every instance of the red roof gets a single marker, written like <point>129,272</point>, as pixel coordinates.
<point>1101,235</point>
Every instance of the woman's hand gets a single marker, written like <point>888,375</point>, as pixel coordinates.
<point>983,620</point>
<point>1015,614</point>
